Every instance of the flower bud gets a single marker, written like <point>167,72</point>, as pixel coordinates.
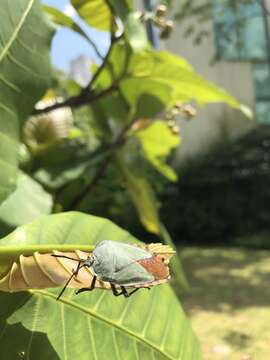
<point>161,10</point>
<point>189,110</point>
<point>167,30</point>
<point>175,130</point>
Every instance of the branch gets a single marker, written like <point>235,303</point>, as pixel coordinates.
<point>75,101</point>
<point>87,95</point>
<point>91,42</point>
<point>115,145</point>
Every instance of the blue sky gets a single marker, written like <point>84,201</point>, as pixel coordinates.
<point>68,45</point>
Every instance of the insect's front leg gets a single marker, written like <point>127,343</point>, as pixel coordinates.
<point>92,286</point>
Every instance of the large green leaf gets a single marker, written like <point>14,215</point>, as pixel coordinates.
<point>62,19</point>
<point>98,13</point>
<point>142,197</point>
<point>95,12</point>
<point>97,325</point>
<point>24,74</point>
<point>176,264</point>
<point>26,203</point>
<point>158,141</point>
<point>136,32</point>
<point>171,79</point>
<point>59,18</point>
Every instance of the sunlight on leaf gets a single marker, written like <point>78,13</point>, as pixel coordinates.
<point>158,141</point>
<point>26,203</point>
<point>142,197</point>
<point>171,78</point>
<point>95,12</point>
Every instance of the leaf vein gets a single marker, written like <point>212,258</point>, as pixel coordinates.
<point>25,68</point>
<point>89,325</point>
<point>136,350</point>
<point>10,84</point>
<point>16,30</point>
<point>106,321</point>
<point>33,327</point>
<point>7,109</point>
<point>118,356</point>
<point>149,317</point>
<point>62,309</point>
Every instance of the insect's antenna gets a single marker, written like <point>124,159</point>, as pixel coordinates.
<point>65,257</point>
<point>64,288</point>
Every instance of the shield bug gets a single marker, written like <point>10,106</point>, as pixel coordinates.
<point>124,266</point>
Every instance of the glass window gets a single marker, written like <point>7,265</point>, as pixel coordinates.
<point>239,30</point>
<point>261,76</point>
<point>263,112</point>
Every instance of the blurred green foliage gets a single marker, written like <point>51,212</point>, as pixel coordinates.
<point>223,198</point>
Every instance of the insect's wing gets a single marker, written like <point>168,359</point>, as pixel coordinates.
<point>111,257</point>
<point>126,250</point>
<point>132,274</point>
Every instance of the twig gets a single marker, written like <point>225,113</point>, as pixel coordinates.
<point>98,53</point>
<point>87,95</point>
<point>115,145</point>
<point>75,101</point>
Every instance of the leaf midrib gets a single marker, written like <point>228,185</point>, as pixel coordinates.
<point>101,318</point>
<point>16,30</point>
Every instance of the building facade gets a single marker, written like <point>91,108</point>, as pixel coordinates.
<point>235,56</point>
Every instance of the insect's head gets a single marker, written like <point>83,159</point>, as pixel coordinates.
<point>89,261</point>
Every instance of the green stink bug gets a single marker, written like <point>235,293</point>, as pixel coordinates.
<point>124,265</point>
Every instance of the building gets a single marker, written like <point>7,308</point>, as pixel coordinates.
<point>235,56</point>
<point>80,69</point>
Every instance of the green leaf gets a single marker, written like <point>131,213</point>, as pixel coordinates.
<point>136,32</point>
<point>100,13</point>
<point>93,325</point>
<point>62,171</point>
<point>28,202</point>
<point>170,78</point>
<point>176,265</point>
<point>59,18</point>
<point>95,12</point>
<point>142,197</point>
<point>122,8</point>
<point>158,141</point>
<point>24,76</point>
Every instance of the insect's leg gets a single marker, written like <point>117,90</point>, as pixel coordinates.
<point>117,293</point>
<point>124,291</point>
<point>74,273</point>
<point>133,291</point>
<point>92,286</point>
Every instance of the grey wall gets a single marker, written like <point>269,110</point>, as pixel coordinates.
<point>218,121</point>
